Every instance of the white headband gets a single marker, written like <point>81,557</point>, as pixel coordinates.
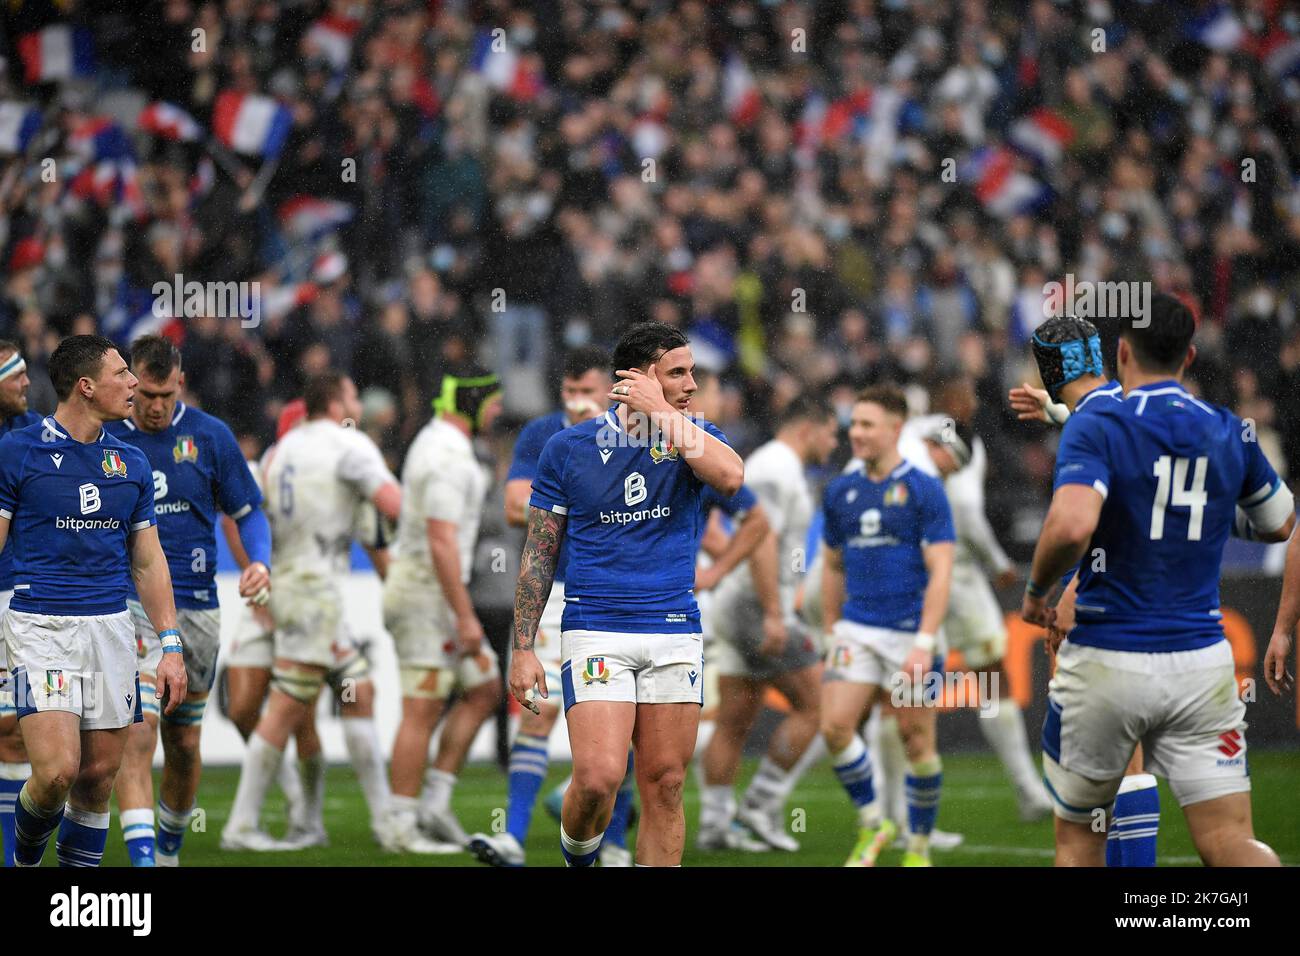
<point>12,366</point>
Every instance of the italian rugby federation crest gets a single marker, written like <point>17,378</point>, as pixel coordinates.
<point>663,450</point>
<point>897,494</point>
<point>185,450</point>
<point>55,682</point>
<point>595,672</point>
<point>113,464</point>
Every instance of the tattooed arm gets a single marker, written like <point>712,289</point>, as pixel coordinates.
<point>536,574</point>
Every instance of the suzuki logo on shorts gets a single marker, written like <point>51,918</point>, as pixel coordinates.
<point>1231,745</point>
<point>89,498</point>
<point>634,489</point>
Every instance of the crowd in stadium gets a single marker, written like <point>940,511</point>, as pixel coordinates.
<point>823,195</point>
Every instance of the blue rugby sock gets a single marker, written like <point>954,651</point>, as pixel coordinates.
<point>1135,822</point>
<point>32,829</point>
<point>82,837</point>
<point>579,852</point>
<point>528,759</point>
<point>853,767</point>
<point>12,777</point>
<point>172,825</point>
<point>616,832</point>
<point>137,831</point>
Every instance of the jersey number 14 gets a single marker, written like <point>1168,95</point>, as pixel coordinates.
<point>1172,490</point>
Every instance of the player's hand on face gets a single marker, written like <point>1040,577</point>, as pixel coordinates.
<point>173,683</point>
<point>255,584</point>
<point>469,635</point>
<point>1278,678</point>
<point>526,672</point>
<point>639,391</point>
<point>774,636</point>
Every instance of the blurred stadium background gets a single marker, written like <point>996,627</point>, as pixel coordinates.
<point>824,195</point>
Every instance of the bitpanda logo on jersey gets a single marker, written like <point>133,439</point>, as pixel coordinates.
<point>186,450</point>
<point>113,464</point>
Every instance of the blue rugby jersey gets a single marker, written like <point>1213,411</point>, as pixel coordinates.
<point>635,517</point>
<point>881,528</point>
<point>72,507</point>
<point>7,554</point>
<point>1172,470</point>
<point>198,470</point>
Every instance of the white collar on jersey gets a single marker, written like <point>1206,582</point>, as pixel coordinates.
<point>49,422</point>
<point>1111,389</point>
<point>1162,388</point>
<point>612,417</point>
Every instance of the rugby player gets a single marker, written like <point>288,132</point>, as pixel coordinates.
<point>625,492</point>
<point>14,769</point>
<point>80,504</point>
<point>321,473</point>
<point>888,544</point>
<point>439,640</point>
<point>1153,483</point>
<point>198,470</point>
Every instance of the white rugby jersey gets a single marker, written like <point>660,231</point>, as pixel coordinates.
<point>976,542</point>
<point>442,480</point>
<point>314,481</point>
<point>775,473</point>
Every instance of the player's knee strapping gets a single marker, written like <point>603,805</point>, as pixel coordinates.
<point>300,683</point>
<point>149,702</point>
<point>426,683</point>
<point>187,714</point>
<point>354,669</point>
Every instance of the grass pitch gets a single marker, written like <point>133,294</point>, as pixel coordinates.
<point>977,802</point>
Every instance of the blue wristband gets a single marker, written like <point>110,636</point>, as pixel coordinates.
<point>171,640</point>
<point>1033,590</point>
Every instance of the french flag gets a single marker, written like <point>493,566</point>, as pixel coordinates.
<point>281,300</point>
<point>1043,134</point>
<point>503,69</point>
<point>100,139</point>
<point>306,217</point>
<point>332,36</point>
<point>168,121</point>
<point>58,52</point>
<point>251,124</point>
<point>740,93</point>
<point>19,124</point>
<point>1004,190</point>
<point>110,183</point>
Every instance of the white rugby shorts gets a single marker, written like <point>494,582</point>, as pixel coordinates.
<point>637,668</point>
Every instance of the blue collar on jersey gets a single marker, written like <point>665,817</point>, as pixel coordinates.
<point>1111,388</point>
<point>1167,387</point>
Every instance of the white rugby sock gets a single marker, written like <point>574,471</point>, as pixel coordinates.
<point>1004,729</point>
<point>717,806</point>
<point>312,771</point>
<point>368,761</point>
<point>887,748</point>
<point>261,764</point>
<point>772,786</point>
<point>438,785</point>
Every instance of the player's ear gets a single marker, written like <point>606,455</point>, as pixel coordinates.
<point>1191,357</point>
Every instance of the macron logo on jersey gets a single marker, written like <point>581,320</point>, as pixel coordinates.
<point>58,460</point>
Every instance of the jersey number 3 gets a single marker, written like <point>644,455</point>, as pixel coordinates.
<point>1172,490</point>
